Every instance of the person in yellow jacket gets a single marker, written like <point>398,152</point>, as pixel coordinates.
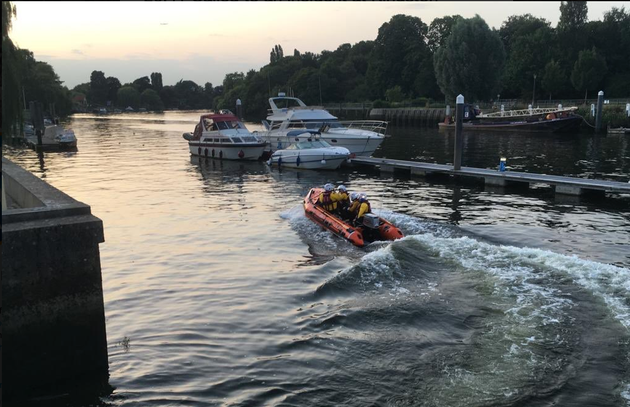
<point>354,205</point>
<point>326,199</point>
<point>363,208</point>
<point>340,196</point>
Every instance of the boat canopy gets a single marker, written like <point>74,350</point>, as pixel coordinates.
<point>309,145</point>
<point>295,110</point>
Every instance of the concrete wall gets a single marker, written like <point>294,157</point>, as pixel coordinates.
<point>53,312</point>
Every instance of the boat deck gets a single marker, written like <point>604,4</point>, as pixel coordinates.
<point>562,185</point>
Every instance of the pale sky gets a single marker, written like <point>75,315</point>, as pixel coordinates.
<point>202,41</point>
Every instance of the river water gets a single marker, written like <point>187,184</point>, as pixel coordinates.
<point>219,292</point>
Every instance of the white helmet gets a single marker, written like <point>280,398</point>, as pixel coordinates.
<point>353,195</point>
<point>342,188</point>
<point>328,187</point>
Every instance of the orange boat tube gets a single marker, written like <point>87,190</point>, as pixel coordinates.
<point>355,235</point>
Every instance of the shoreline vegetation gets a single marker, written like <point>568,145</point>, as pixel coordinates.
<point>409,64</point>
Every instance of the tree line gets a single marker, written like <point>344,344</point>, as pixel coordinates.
<point>408,60</point>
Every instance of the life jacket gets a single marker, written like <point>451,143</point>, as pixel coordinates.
<point>327,201</point>
<point>342,198</point>
<point>364,209</point>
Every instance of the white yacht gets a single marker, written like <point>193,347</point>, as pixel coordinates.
<point>309,152</point>
<point>360,137</point>
<point>222,135</point>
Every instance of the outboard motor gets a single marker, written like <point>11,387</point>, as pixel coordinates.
<point>371,221</point>
<point>371,224</point>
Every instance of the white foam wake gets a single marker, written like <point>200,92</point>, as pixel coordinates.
<point>610,283</point>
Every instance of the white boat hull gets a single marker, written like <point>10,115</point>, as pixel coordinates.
<point>308,159</point>
<point>227,152</point>
<point>357,144</point>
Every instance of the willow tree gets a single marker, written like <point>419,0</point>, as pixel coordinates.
<point>471,61</point>
<point>11,95</point>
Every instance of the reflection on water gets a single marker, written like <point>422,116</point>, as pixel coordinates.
<point>219,291</point>
<point>574,154</point>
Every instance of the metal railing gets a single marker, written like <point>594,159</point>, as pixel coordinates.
<point>377,126</point>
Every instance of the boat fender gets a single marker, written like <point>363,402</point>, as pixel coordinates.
<point>323,159</point>
<point>297,161</point>
<point>205,152</point>
<point>279,161</point>
<point>199,151</point>
<point>213,153</point>
<point>221,154</point>
<point>241,154</point>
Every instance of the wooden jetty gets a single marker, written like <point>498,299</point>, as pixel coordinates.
<point>562,185</point>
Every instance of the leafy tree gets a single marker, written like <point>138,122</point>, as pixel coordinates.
<point>156,81</point>
<point>399,54</point>
<point>83,88</point>
<point>276,54</point>
<point>572,35</point>
<point>151,100</point>
<point>528,42</point>
<point>611,37</point>
<point>573,15</point>
<point>471,61</point>
<point>189,95</point>
<point>588,71</point>
<point>11,78</point>
<point>142,84</point>
<point>439,30</point>
<point>128,96</point>
<point>98,88</point>
<point>394,94</point>
<point>554,78</point>
<point>232,80</point>
<point>113,84</point>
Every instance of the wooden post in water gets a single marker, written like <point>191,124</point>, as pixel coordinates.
<point>459,140</point>
<point>37,120</point>
<point>599,113</point>
<point>239,109</point>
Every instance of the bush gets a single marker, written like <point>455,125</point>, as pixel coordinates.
<point>381,104</point>
<point>614,116</point>
<point>420,102</point>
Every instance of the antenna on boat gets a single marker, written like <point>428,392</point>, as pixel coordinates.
<point>320,89</point>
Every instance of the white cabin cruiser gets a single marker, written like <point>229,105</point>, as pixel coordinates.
<point>360,137</point>
<point>222,135</point>
<point>309,152</point>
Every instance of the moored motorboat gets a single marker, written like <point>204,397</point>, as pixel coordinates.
<point>222,135</point>
<point>59,137</point>
<point>360,137</point>
<point>309,152</point>
<point>374,228</point>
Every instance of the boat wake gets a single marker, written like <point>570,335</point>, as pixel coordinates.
<point>527,308</point>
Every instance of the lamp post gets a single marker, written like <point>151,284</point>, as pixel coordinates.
<point>534,92</point>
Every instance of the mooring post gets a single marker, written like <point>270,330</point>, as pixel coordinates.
<point>599,113</point>
<point>459,140</point>
<point>239,109</point>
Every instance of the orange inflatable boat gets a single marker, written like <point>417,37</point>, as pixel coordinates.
<point>357,235</point>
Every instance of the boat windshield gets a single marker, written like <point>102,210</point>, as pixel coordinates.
<point>211,125</point>
<point>227,125</point>
<point>315,125</point>
<point>307,145</point>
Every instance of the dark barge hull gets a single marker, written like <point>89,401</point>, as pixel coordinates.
<point>542,126</point>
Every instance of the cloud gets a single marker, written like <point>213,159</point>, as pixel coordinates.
<point>77,52</point>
